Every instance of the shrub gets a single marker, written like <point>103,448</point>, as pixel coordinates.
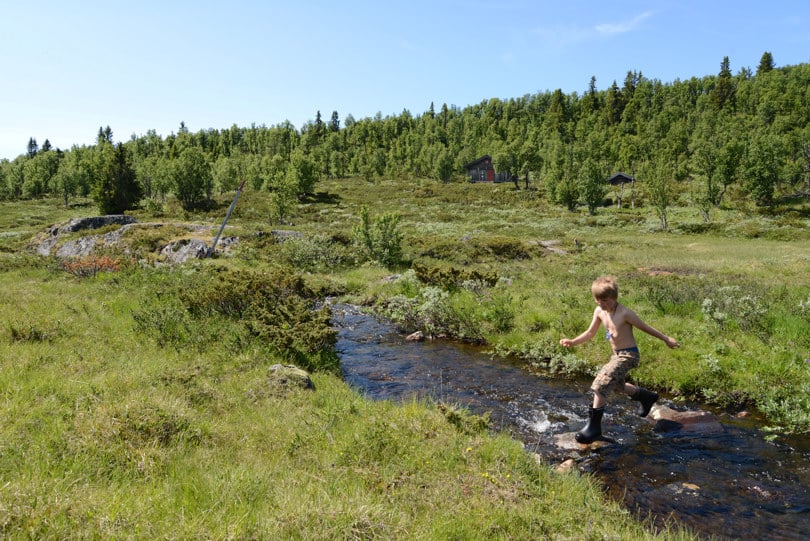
<point>449,277</point>
<point>381,240</point>
<point>275,307</point>
<point>502,248</point>
<point>730,305</point>
<point>91,265</point>
<point>310,253</point>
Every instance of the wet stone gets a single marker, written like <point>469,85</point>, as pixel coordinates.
<point>669,420</point>
<point>568,441</point>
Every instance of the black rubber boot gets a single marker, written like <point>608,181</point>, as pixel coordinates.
<point>593,429</point>
<point>646,400</point>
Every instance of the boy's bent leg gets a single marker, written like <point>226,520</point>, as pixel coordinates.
<point>646,399</point>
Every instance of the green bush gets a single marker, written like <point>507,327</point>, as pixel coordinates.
<point>312,253</point>
<point>501,248</point>
<point>449,277</point>
<point>274,308</point>
<point>381,240</point>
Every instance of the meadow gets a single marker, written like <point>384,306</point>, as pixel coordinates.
<point>137,401</point>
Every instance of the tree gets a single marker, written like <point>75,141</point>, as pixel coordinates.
<point>592,185</point>
<point>39,172</point>
<point>105,135</point>
<point>761,165</point>
<point>117,190</point>
<point>302,172</point>
<point>443,166</point>
<point>73,175</point>
<point>724,90</point>
<point>614,104</point>
<point>380,239</point>
<point>284,196</point>
<point>191,176</point>
<point>590,102</point>
<point>765,63</point>
<point>334,122</point>
<point>5,193</point>
<point>33,147</point>
<point>227,173</point>
<point>659,175</point>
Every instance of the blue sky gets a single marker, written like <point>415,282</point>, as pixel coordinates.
<point>71,67</point>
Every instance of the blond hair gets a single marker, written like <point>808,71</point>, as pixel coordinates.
<point>605,287</point>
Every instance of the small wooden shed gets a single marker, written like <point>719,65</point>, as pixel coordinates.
<point>620,179</point>
<point>481,170</point>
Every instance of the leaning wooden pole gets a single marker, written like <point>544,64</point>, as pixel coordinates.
<point>225,221</point>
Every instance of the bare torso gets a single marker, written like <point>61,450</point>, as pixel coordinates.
<point>618,329</point>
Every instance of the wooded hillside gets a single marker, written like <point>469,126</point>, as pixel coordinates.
<point>715,140</point>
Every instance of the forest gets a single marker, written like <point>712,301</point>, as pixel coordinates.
<point>723,139</point>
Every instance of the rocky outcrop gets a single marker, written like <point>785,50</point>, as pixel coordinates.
<point>84,246</point>
<point>177,251</point>
<point>182,250</point>
<point>93,222</point>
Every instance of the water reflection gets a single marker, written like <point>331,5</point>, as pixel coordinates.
<point>731,484</point>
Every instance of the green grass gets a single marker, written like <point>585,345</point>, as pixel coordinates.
<point>107,434</point>
<point>113,430</point>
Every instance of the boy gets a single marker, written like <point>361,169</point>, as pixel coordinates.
<point>619,322</point>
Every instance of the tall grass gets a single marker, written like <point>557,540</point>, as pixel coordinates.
<point>129,410</point>
<point>108,432</point>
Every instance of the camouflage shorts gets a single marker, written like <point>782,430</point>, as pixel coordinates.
<point>613,374</point>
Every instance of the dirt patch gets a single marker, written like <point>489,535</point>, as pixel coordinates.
<point>661,271</point>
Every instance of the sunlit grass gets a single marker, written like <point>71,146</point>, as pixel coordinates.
<point>107,433</point>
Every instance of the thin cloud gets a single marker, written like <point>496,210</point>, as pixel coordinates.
<point>560,36</point>
<point>609,29</point>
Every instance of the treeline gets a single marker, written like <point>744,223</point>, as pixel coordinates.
<point>707,141</point>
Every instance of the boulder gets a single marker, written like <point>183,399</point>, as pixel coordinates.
<point>92,222</point>
<point>289,376</point>
<point>184,249</point>
<point>566,466</point>
<point>567,441</point>
<point>669,420</point>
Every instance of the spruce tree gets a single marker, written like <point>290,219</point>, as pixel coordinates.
<point>724,91</point>
<point>765,63</point>
<point>118,189</point>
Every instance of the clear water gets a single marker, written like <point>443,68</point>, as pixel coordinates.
<point>730,483</point>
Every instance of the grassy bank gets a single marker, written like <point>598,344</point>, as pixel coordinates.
<point>139,403</point>
<point>112,430</point>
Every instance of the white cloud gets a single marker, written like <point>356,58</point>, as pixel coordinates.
<point>609,29</point>
<point>560,35</point>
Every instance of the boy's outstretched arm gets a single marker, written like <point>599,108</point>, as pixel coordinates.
<point>636,322</point>
<point>587,335</point>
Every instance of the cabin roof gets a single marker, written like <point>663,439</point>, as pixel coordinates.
<point>621,178</point>
<point>479,161</point>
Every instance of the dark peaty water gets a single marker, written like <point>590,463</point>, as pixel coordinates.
<point>727,481</point>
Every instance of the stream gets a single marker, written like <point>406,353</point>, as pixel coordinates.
<point>730,483</point>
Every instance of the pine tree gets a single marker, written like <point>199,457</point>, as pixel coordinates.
<point>724,91</point>
<point>334,122</point>
<point>765,63</point>
<point>33,147</point>
<point>118,189</point>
